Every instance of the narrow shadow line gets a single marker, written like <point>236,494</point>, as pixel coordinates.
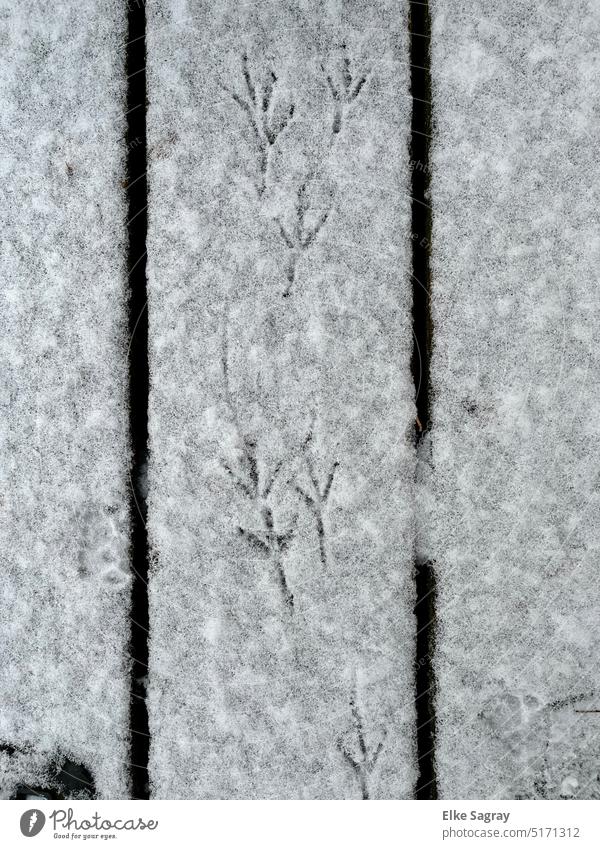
<point>425,583</point>
<point>137,225</point>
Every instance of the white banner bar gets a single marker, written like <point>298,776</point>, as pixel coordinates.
<point>302,824</point>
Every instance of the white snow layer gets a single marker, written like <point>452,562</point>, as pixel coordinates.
<point>511,510</point>
<point>281,414</point>
<point>63,520</point>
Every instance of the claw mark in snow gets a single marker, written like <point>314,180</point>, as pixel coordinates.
<point>265,541</point>
<point>266,121</point>
<point>362,762</point>
<point>317,499</point>
<point>302,235</point>
<point>344,93</point>
<point>247,477</point>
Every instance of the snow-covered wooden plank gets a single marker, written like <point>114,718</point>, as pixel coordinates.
<point>510,496</point>
<point>64,689</point>
<point>281,408</point>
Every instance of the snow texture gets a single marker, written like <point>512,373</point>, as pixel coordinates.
<point>511,509</point>
<point>281,411</point>
<point>63,521</point>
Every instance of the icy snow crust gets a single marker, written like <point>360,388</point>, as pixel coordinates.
<point>510,497</point>
<point>281,409</point>
<point>63,520</point>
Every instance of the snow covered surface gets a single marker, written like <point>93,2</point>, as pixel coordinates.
<point>281,405</point>
<point>282,515</point>
<point>64,581</point>
<point>511,511</point>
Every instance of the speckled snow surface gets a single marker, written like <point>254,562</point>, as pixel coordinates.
<point>281,407</point>
<point>511,511</point>
<point>63,472</point>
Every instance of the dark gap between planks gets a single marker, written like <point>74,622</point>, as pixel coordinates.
<point>425,607</point>
<point>137,224</point>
